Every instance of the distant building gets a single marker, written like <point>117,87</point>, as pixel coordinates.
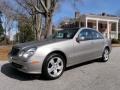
<point>107,24</point>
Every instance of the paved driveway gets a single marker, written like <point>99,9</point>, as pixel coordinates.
<point>88,76</point>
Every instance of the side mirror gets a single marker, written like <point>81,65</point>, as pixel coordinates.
<point>78,39</point>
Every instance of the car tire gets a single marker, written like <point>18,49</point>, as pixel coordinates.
<point>53,66</point>
<point>105,55</point>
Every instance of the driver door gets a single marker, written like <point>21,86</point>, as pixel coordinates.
<point>83,50</point>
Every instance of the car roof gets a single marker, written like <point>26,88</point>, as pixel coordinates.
<point>79,28</point>
<point>71,28</point>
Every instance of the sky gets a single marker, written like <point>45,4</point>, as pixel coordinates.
<point>86,7</point>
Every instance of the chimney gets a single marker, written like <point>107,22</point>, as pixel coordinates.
<point>77,14</point>
<point>104,14</point>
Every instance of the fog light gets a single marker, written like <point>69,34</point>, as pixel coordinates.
<point>24,68</point>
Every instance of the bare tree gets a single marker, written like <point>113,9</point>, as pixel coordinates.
<point>29,7</point>
<point>6,19</point>
<point>37,9</point>
<point>7,25</point>
<point>44,7</point>
<point>49,7</point>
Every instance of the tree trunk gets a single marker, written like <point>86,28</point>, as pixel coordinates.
<point>9,34</point>
<point>5,32</point>
<point>48,26</point>
<point>34,25</point>
<point>38,26</point>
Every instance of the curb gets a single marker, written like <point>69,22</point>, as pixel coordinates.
<point>115,45</point>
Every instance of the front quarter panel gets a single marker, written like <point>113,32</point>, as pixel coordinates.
<point>65,46</point>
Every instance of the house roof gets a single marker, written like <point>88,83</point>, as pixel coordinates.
<point>110,17</point>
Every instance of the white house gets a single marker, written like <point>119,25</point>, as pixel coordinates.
<point>106,24</point>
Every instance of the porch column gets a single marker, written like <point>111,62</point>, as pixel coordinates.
<point>108,29</point>
<point>86,23</point>
<point>97,25</point>
<point>117,30</point>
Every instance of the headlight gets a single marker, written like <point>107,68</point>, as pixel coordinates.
<point>28,53</point>
<point>21,53</point>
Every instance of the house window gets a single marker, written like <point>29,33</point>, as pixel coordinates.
<point>82,24</point>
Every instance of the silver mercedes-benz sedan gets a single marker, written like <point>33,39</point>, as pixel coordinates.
<point>65,48</point>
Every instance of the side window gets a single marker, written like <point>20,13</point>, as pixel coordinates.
<point>87,34</point>
<point>96,35</point>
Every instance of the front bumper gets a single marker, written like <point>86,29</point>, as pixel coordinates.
<point>25,66</point>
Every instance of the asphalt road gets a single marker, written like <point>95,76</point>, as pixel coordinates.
<point>88,76</point>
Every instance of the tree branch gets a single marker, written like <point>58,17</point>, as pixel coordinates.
<point>43,5</point>
<point>38,10</point>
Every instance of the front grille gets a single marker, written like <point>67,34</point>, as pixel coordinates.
<point>15,51</point>
<point>16,65</point>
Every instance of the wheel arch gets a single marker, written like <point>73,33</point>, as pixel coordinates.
<point>107,47</point>
<point>57,52</point>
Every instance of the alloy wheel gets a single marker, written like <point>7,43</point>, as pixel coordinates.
<point>55,66</point>
<point>106,55</point>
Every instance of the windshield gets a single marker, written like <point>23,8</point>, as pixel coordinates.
<point>65,34</point>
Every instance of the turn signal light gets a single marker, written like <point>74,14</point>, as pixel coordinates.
<point>35,62</point>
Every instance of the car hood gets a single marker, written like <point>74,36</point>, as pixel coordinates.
<point>38,43</point>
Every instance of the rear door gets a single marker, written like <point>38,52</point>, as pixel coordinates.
<point>98,43</point>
